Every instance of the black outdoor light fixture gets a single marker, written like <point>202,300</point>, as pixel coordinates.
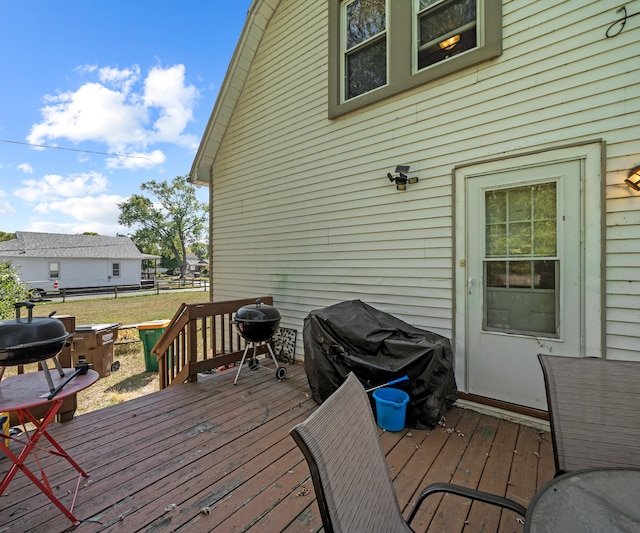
<point>400,177</point>
<point>633,180</point>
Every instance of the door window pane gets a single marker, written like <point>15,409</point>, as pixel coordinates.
<point>496,240</point>
<point>496,274</point>
<point>544,240</point>
<point>544,274</point>
<point>365,59</point>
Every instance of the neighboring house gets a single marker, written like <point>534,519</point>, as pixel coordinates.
<point>195,265</point>
<point>521,121</point>
<point>74,261</point>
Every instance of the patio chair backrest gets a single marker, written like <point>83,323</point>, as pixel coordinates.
<point>350,475</point>
<point>593,410</point>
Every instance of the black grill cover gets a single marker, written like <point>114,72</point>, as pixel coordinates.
<point>378,347</point>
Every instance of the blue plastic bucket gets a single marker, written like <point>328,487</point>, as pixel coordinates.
<point>391,407</point>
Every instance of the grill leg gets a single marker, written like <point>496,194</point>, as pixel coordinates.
<point>272,355</point>
<point>244,355</point>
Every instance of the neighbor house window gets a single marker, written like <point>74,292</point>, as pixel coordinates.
<point>379,48</point>
<point>54,270</point>
<point>115,270</point>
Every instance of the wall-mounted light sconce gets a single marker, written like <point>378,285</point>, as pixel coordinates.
<point>633,180</point>
<point>400,178</point>
<point>449,43</point>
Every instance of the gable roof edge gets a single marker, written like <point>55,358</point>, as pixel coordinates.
<point>258,17</point>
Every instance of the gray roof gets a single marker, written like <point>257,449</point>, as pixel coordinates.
<point>49,245</point>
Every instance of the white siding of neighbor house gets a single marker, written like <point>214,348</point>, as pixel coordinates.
<point>302,209</point>
<point>81,273</point>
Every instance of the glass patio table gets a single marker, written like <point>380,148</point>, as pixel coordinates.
<point>594,500</point>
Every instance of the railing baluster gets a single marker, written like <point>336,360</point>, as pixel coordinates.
<point>214,335</point>
<point>190,350</point>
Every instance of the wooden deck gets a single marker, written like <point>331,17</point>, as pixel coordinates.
<point>211,456</point>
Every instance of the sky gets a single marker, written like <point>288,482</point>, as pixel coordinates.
<point>119,90</point>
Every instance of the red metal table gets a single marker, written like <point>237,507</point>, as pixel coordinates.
<point>23,392</point>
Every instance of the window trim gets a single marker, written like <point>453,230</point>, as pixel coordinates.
<point>402,54</point>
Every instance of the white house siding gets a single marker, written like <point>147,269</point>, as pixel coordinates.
<point>301,206</point>
<point>81,273</point>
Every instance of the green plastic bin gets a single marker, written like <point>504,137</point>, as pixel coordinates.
<point>149,333</point>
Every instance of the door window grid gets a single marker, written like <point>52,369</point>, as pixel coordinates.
<point>521,267</point>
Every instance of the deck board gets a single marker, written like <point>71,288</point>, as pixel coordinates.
<point>211,456</point>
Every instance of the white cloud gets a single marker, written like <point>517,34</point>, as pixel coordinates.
<point>88,213</point>
<point>102,208</point>
<point>94,112</point>
<point>86,69</point>
<point>137,160</point>
<point>45,226</point>
<point>113,112</point>
<point>53,187</point>
<point>125,79</point>
<point>165,90</point>
<point>26,168</point>
<point>5,207</point>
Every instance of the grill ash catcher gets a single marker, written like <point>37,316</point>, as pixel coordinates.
<point>256,324</point>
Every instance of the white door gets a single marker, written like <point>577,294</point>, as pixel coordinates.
<point>524,279</point>
<point>528,269</point>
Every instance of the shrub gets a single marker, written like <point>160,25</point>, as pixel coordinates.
<point>12,289</point>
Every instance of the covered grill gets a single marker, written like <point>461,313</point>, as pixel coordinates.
<point>257,323</point>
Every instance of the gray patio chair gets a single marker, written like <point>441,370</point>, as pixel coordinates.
<point>349,471</point>
<point>593,411</point>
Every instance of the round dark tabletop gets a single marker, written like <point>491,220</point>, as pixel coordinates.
<point>598,500</point>
<point>24,391</point>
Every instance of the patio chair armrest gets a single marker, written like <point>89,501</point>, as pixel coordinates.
<point>479,495</point>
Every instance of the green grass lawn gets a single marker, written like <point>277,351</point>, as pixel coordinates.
<point>124,309</point>
<point>131,380</point>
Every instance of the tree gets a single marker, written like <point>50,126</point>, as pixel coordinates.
<point>200,250</point>
<point>174,221</point>
<point>11,290</point>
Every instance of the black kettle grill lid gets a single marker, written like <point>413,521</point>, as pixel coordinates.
<point>27,330</point>
<point>258,312</point>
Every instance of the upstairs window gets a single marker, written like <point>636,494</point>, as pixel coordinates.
<point>365,46</point>
<point>379,48</point>
<point>446,28</point>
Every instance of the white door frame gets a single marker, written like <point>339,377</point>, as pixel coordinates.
<point>591,157</point>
